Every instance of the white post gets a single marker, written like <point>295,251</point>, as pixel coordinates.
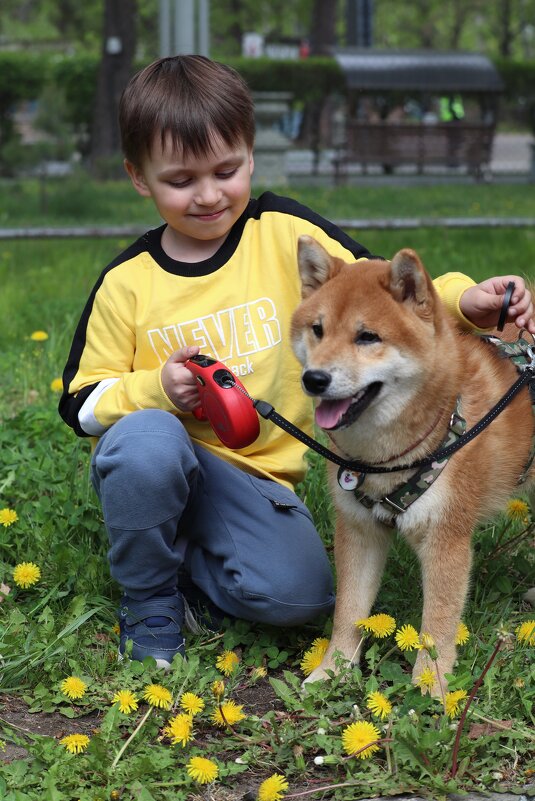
<point>165,28</point>
<point>204,27</point>
<point>184,27</point>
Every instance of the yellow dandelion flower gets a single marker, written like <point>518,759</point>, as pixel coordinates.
<point>179,729</point>
<point>453,702</point>
<point>525,633</point>
<point>258,673</point>
<point>218,688</point>
<point>202,770</point>
<point>358,735</point>
<point>379,704</point>
<point>427,641</point>
<point>314,656</point>
<point>407,638</point>
<point>26,574</point>
<point>463,635</point>
<point>380,625</point>
<point>56,385</point>
<point>516,509</point>
<point>273,789</point>
<point>8,517</point>
<point>39,336</point>
<point>227,662</point>
<point>126,700</point>
<point>228,713</point>
<point>75,743</point>
<point>191,703</point>
<point>159,696</point>
<point>426,679</point>
<point>73,687</point>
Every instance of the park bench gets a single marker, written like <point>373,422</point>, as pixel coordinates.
<point>391,145</point>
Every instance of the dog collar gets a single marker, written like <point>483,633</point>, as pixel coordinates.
<point>403,496</point>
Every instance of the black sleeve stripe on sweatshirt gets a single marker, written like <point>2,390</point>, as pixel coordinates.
<point>69,405</point>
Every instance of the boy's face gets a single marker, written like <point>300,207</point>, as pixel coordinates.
<point>200,197</point>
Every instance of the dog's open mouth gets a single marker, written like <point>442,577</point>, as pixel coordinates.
<point>331,414</point>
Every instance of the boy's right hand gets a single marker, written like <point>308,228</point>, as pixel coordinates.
<point>178,382</point>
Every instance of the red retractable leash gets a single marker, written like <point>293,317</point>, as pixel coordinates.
<point>225,403</point>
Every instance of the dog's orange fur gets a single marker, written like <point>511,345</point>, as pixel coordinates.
<point>424,362</point>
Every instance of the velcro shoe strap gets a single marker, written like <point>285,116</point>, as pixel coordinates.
<point>171,607</point>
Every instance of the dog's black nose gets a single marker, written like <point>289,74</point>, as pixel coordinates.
<point>316,381</point>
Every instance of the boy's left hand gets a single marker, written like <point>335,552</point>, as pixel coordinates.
<point>482,303</point>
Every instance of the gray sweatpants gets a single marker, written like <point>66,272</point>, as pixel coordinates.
<point>249,543</point>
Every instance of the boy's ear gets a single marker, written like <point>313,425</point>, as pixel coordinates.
<point>137,178</point>
<point>251,162</point>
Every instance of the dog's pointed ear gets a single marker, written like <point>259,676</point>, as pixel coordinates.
<point>409,281</point>
<point>316,266</point>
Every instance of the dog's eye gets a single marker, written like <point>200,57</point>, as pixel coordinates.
<point>367,338</point>
<point>317,330</point>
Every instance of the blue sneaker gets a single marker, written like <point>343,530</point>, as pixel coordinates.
<point>200,614</point>
<point>154,626</point>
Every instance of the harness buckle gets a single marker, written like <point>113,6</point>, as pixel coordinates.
<point>392,504</point>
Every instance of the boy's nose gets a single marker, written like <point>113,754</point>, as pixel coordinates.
<point>208,194</point>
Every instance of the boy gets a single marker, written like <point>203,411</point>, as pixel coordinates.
<point>186,517</point>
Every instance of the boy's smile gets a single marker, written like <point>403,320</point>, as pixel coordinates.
<point>200,197</point>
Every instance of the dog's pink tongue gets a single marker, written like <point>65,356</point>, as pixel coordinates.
<point>328,413</point>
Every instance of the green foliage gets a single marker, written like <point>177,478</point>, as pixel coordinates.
<point>519,80</point>
<point>22,76</point>
<point>20,79</point>
<point>308,79</point>
<point>77,76</point>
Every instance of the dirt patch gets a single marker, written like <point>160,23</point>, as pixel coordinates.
<point>14,712</point>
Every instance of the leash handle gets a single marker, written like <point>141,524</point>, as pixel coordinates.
<point>505,305</point>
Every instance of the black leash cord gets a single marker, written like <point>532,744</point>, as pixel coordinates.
<point>267,411</point>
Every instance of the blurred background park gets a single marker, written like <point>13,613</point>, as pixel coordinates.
<point>344,88</point>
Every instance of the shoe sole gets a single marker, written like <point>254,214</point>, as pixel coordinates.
<point>161,664</point>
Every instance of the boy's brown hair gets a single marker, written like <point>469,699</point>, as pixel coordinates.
<point>189,98</point>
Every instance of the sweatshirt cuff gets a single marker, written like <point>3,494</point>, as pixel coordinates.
<point>451,287</point>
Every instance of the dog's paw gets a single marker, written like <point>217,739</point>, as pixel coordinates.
<point>319,674</point>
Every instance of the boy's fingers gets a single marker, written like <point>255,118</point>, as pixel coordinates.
<point>183,354</point>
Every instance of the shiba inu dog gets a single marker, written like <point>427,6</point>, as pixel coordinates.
<point>395,379</point>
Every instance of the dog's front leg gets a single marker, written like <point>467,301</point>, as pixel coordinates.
<point>445,556</point>
<point>360,555</point>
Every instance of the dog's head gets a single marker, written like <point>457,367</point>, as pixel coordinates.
<point>365,334</point>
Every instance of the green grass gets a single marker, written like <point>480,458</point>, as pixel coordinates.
<point>77,201</point>
<point>63,625</point>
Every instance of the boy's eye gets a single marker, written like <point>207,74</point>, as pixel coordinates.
<point>180,184</point>
<point>226,173</point>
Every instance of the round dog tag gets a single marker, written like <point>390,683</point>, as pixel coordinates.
<point>350,479</point>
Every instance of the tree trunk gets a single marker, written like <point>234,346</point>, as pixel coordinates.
<point>506,35</point>
<point>116,67</point>
<point>322,39</point>
<point>323,27</point>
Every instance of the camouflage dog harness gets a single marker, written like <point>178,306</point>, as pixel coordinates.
<point>399,500</point>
